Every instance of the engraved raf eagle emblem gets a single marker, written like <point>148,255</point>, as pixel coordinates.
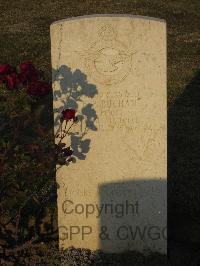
<point>107,61</point>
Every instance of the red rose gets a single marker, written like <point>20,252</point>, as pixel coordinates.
<point>11,80</point>
<point>28,73</point>
<point>68,114</point>
<point>26,65</point>
<point>6,69</point>
<point>38,88</point>
<point>28,77</point>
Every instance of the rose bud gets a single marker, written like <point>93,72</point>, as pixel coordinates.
<point>68,114</point>
<point>11,80</point>
<point>6,69</point>
<point>28,73</point>
<point>26,65</point>
<point>38,88</point>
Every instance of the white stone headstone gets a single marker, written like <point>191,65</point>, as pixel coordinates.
<point>112,70</point>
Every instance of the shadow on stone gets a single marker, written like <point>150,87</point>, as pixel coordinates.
<point>134,215</point>
<point>71,93</point>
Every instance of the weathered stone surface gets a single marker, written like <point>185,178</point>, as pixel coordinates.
<point>116,66</point>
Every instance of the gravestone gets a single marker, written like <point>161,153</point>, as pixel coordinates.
<point>112,70</point>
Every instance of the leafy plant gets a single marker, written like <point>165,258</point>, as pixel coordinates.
<point>28,154</point>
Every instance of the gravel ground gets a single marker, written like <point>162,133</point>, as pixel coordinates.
<point>48,255</point>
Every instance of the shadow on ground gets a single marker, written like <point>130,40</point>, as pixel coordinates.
<point>184,175</point>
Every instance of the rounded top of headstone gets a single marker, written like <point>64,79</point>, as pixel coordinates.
<point>110,15</point>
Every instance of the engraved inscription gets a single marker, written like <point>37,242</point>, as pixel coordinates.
<point>113,110</point>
